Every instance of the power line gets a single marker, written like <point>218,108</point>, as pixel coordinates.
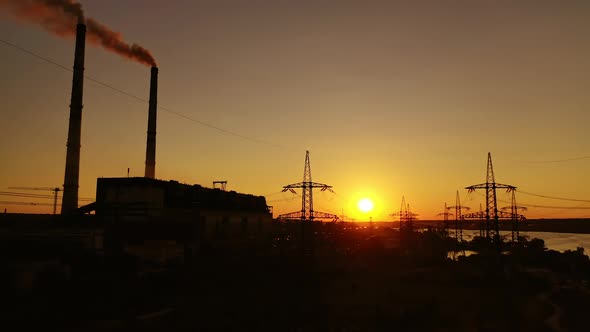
<point>557,161</point>
<point>273,194</point>
<point>25,203</point>
<point>556,207</point>
<point>33,54</point>
<point>543,206</point>
<point>553,197</point>
<point>30,195</point>
<point>16,194</point>
<point>205,124</point>
<point>285,199</point>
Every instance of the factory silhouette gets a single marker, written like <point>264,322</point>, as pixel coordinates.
<point>154,199</point>
<point>150,254</point>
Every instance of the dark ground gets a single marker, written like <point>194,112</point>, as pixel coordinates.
<point>351,282</point>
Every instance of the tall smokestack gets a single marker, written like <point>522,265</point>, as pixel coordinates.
<point>70,196</point>
<point>150,152</point>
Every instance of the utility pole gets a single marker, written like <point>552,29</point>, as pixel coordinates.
<point>55,191</point>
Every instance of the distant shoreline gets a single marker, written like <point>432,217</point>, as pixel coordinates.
<point>572,225</point>
<point>576,226</point>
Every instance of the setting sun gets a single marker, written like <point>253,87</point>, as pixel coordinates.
<point>365,205</point>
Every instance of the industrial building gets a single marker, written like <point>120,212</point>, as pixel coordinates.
<point>149,212</point>
<point>138,211</point>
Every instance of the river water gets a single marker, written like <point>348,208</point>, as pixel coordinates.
<point>555,241</point>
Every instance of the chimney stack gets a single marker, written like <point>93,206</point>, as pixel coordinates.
<point>72,174</point>
<point>150,153</point>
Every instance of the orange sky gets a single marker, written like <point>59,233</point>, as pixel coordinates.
<point>391,98</point>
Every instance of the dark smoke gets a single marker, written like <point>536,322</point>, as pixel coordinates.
<point>113,41</point>
<point>57,16</point>
<point>67,6</point>
<point>61,16</point>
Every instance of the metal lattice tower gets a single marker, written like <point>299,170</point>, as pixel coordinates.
<point>514,212</point>
<point>445,215</point>
<point>403,209</point>
<point>515,218</point>
<point>458,217</point>
<point>402,213</point>
<point>482,218</point>
<point>409,220</point>
<point>403,216</point>
<point>406,217</point>
<point>307,195</point>
<point>307,212</point>
<point>492,228</point>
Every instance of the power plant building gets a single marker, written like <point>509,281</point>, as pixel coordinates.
<point>138,209</point>
<point>145,198</point>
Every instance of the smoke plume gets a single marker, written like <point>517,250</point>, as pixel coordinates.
<point>111,40</point>
<point>61,16</point>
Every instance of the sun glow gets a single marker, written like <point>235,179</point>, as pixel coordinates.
<point>365,205</point>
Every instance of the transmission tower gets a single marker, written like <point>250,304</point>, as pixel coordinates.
<point>406,224</point>
<point>482,221</point>
<point>514,216</point>
<point>406,217</point>
<point>445,215</point>
<point>410,217</point>
<point>492,229</point>
<point>458,217</point>
<point>307,213</point>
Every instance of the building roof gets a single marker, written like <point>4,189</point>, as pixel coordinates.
<point>179,195</point>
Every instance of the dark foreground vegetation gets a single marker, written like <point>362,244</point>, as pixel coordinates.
<point>347,279</point>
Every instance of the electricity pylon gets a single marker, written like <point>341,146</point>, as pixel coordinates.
<point>307,213</point>
<point>446,215</point>
<point>482,221</point>
<point>458,217</point>
<point>514,216</point>
<point>491,214</point>
<point>406,217</point>
<point>406,222</point>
